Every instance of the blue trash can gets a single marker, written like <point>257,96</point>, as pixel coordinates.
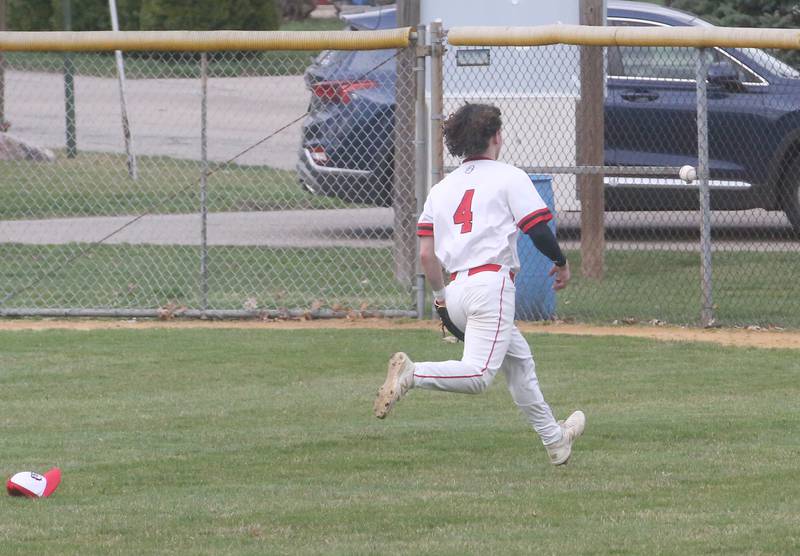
<point>536,299</point>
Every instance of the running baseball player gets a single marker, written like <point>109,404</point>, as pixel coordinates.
<point>469,226</point>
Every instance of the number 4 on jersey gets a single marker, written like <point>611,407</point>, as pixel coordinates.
<point>463,214</point>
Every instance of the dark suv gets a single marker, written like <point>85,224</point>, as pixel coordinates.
<point>347,148</point>
<point>650,120</point>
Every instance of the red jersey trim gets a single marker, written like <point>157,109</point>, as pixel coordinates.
<point>447,377</point>
<point>529,221</point>
<point>483,268</point>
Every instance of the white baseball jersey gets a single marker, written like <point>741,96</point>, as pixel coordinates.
<point>474,213</point>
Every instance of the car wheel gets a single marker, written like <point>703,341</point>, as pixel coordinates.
<point>791,194</point>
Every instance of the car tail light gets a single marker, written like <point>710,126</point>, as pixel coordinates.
<point>318,155</point>
<point>339,91</point>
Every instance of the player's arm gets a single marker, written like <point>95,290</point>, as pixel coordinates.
<point>532,215</point>
<point>431,267</point>
<point>544,240</point>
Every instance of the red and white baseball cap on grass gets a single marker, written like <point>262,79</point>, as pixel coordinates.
<point>33,485</point>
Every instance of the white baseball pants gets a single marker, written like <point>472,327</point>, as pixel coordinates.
<point>483,306</point>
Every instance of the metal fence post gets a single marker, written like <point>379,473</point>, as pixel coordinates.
<point>2,70</point>
<point>69,88</point>
<point>437,106</point>
<point>437,103</point>
<point>707,310</point>
<point>123,102</point>
<point>204,182</point>
<point>421,156</point>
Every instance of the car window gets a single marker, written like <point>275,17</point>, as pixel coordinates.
<point>659,62</point>
<point>364,61</point>
<point>331,57</point>
<point>664,62</point>
<point>771,63</point>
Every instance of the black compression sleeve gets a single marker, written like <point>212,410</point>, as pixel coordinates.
<point>546,242</point>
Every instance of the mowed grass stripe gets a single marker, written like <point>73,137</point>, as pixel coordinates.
<point>262,442</point>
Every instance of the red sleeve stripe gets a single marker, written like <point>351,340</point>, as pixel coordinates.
<point>424,229</point>
<point>532,223</point>
<point>529,221</point>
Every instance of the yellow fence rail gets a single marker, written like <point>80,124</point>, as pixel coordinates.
<point>734,37</point>
<point>699,37</point>
<point>198,41</point>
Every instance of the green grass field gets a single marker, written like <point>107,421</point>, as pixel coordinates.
<point>749,288</point>
<point>262,442</point>
<point>97,184</point>
<point>151,276</point>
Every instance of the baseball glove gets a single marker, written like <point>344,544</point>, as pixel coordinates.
<point>447,322</point>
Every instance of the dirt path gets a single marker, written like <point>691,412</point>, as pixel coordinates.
<point>723,336</point>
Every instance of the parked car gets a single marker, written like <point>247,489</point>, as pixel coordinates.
<point>347,148</point>
<point>650,120</point>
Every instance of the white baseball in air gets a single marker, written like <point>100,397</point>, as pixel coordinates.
<point>688,173</point>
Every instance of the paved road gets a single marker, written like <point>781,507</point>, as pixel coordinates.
<point>345,227</point>
<point>372,227</point>
<point>164,115</point>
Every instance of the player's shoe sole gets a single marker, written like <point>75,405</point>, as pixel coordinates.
<point>398,381</point>
<point>572,428</point>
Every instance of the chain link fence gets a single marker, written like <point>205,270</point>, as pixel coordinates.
<point>647,261</point>
<point>279,183</point>
<point>252,183</point>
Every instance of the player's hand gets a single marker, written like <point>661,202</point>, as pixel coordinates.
<point>562,275</point>
<point>438,297</point>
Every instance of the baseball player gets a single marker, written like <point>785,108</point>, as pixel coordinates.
<point>469,226</point>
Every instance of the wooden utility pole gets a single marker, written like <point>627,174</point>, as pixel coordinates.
<point>404,198</point>
<point>589,147</point>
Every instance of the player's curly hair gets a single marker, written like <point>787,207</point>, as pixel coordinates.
<point>468,130</point>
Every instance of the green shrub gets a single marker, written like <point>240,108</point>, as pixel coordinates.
<point>93,15</point>
<point>85,15</point>
<point>201,15</point>
<point>30,15</point>
<point>749,13</point>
